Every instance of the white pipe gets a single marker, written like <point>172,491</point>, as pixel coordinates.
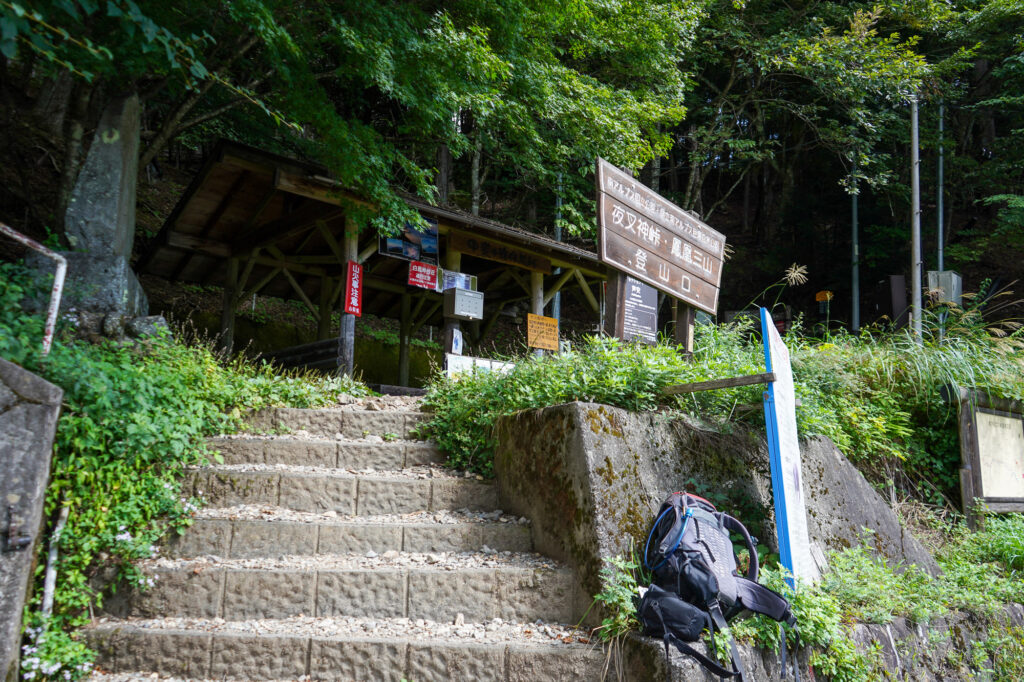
<point>50,582</point>
<point>58,282</point>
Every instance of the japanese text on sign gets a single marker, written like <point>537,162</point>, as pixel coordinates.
<point>541,332</point>
<point>423,275</point>
<point>354,289</point>
<point>655,241</point>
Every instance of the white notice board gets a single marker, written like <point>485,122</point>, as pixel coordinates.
<point>1001,454</point>
<point>784,454</point>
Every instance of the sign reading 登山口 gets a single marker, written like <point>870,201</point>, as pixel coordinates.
<point>650,238</point>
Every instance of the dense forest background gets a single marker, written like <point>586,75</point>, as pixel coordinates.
<point>762,116</point>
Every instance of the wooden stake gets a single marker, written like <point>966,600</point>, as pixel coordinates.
<point>227,314</point>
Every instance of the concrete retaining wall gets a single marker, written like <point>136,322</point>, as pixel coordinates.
<point>29,408</point>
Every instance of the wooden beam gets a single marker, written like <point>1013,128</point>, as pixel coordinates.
<point>332,243</point>
<point>205,246</point>
<point>302,294</point>
<point>243,279</point>
<point>288,225</point>
<point>557,286</point>
<point>585,288</point>
<point>521,281</point>
<point>426,316</point>
<point>262,283</point>
<point>369,250</point>
<point>323,329</point>
<point>404,332</point>
<point>731,382</point>
<point>347,332</point>
<point>227,313</point>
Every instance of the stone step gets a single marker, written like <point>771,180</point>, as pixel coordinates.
<point>252,532</point>
<point>339,423</point>
<point>345,454</point>
<point>330,649</point>
<point>318,490</point>
<point>517,587</point>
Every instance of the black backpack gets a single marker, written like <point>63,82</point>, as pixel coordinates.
<point>689,552</point>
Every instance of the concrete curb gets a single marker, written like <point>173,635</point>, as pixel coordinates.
<point>349,494</point>
<point>349,423</point>
<point>201,655</point>
<point>386,456</point>
<point>254,538</point>
<point>439,594</point>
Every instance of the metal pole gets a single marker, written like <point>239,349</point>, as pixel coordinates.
<point>915,223</point>
<point>556,302</point>
<point>855,256</point>
<point>942,129</point>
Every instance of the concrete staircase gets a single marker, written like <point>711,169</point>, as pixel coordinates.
<point>340,550</point>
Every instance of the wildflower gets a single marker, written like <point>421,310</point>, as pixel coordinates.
<point>123,537</point>
<point>795,275</point>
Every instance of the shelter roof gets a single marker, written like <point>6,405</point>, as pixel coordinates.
<point>280,221</point>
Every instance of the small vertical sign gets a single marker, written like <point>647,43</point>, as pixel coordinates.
<point>354,289</point>
<point>784,455</point>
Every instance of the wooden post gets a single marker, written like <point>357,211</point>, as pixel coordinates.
<point>347,333</point>
<point>323,327</point>
<point>537,298</point>
<point>685,317</point>
<point>227,313</point>
<point>613,305</point>
<point>452,261</point>
<point>404,331</point>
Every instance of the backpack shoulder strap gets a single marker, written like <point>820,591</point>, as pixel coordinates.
<point>760,599</point>
<point>735,526</point>
<point>688,650</point>
<point>715,609</point>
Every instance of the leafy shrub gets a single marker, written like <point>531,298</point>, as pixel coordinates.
<point>134,416</point>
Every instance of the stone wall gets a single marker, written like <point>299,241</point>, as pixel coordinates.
<point>29,408</point>
<point>590,478</point>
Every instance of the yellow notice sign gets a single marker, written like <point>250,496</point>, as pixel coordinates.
<point>541,332</point>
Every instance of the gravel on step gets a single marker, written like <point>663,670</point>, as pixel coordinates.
<point>413,472</point>
<point>302,434</point>
<point>492,631</point>
<point>447,561</point>
<point>254,512</point>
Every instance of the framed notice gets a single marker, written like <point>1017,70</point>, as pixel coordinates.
<point>788,487</point>
<point>991,454</point>
<point>541,332</point>
<point>412,243</point>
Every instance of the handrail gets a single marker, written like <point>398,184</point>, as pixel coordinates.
<point>58,282</point>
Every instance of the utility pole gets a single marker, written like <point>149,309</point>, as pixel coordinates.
<point>855,255</point>
<point>941,212</point>
<point>915,223</point>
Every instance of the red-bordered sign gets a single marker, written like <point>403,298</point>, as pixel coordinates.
<point>423,275</point>
<point>354,289</point>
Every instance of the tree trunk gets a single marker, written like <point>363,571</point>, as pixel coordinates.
<point>51,106</point>
<point>73,135</point>
<point>444,170</point>
<point>172,124</point>
<point>474,176</point>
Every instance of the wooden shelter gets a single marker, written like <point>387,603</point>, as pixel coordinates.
<point>258,223</point>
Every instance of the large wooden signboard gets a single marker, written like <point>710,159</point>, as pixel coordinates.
<point>650,238</point>
<point>784,457</point>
